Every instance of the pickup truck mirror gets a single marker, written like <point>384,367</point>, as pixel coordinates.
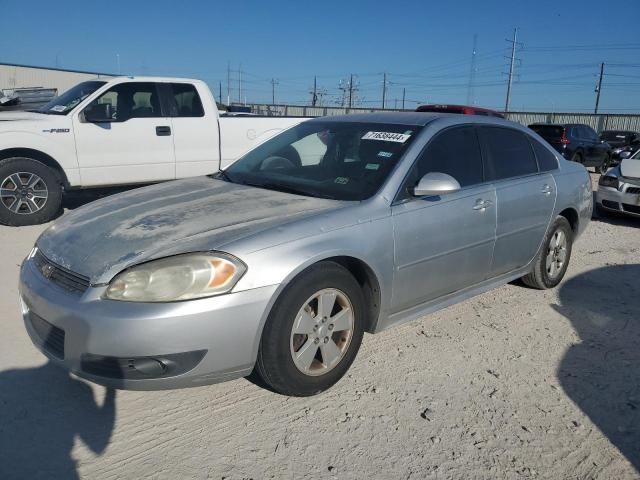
<point>435,183</point>
<point>98,113</point>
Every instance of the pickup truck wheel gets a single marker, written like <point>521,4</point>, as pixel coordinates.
<point>30,192</point>
<point>552,260</point>
<point>313,332</point>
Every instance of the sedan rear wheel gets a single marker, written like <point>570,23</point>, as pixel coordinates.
<point>313,332</point>
<point>552,260</point>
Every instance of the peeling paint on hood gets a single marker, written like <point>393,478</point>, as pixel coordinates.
<point>104,237</point>
<point>630,168</point>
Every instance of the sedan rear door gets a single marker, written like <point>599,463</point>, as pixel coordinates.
<point>525,195</point>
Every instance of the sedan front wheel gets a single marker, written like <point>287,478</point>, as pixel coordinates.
<point>313,332</point>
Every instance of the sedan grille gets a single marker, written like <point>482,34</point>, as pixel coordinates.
<point>51,338</point>
<point>60,276</point>
<point>633,190</point>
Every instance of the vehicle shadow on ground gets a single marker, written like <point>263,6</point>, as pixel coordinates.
<point>42,412</point>
<point>601,374</point>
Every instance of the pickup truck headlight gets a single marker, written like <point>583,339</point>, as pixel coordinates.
<point>607,181</point>
<point>183,277</point>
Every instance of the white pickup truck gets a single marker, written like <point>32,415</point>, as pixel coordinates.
<point>121,131</point>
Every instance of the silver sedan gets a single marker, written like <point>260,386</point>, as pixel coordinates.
<point>619,189</point>
<point>279,264</point>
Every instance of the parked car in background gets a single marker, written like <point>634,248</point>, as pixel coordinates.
<point>576,142</point>
<point>122,131</point>
<point>621,141</point>
<point>461,109</point>
<point>281,262</point>
<point>619,189</point>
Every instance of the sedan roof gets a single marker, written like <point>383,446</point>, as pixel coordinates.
<point>408,118</point>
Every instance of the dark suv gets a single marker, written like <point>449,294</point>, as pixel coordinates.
<point>576,142</point>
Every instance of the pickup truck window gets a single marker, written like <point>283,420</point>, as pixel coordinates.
<point>66,102</point>
<point>187,100</point>
<point>129,100</point>
<point>338,160</point>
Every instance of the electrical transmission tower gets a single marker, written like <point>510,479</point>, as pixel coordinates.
<point>349,90</point>
<point>316,94</point>
<point>512,64</point>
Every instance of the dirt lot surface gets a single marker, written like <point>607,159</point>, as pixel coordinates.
<point>515,383</point>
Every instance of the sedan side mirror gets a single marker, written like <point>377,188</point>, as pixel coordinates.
<point>435,183</point>
<point>98,113</point>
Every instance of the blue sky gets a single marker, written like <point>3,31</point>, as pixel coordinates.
<point>424,46</point>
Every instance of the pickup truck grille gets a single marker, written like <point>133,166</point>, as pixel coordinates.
<point>60,276</point>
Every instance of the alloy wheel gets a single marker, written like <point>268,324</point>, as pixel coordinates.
<point>23,193</point>
<point>556,254</point>
<point>322,332</point>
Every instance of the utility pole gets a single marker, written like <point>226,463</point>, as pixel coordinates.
<point>240,84</point>
<point>599,87</point>
<point>514,42</point>
<point>384,89</point>
<point>274,82</point>
<point>403,93</point>
<point>228,83</point>
<point>350,89</point>
<point>472,72</point>
<point>314,98</point>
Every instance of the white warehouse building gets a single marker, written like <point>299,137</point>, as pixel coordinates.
<point>14,77</point>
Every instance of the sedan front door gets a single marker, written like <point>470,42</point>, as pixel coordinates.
<point>444,243</point>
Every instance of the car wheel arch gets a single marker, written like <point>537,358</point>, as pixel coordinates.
<point>572,216</point>
<point>364,274</point>
<point>38,156</point>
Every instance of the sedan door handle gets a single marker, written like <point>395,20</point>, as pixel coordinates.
<point>163,131</point>
<point>546,189</point>
<point>482,204</point>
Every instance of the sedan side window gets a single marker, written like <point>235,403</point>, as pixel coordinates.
<point>546,160</point>
<point>508,153</point>
<point>456,152</point>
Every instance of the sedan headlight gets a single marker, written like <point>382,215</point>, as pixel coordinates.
<point>607,181</point>
<point>183,277</point>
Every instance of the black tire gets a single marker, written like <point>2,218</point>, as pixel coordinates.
<point>38,210</point>
<point>577,157</point>
<point>604,166</point>
<point>539,277</point>
<point>275,364</point>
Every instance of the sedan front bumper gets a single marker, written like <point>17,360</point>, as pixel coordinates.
<point>144,346</point>
<point>626,200</point>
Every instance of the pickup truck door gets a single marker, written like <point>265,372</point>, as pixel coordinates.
<point>133,144</point>
<point>196,138</point>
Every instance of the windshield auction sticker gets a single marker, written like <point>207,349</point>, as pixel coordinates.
<point>386,136</point>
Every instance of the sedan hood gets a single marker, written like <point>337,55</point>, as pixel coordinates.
<point>630,168</point>
<point>104,237</point>
<point>22,116</point>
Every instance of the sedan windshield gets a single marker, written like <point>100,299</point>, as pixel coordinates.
<point>68,100</point>
<point>338,160</point>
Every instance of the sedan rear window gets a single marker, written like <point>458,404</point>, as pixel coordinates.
<point>508,153</point>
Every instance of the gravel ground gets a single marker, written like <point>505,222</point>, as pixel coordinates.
<point>515,383</point>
